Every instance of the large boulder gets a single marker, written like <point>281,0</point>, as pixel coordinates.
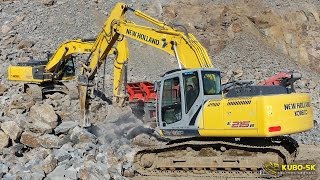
<point>12,129</point>
<point>43,118</point>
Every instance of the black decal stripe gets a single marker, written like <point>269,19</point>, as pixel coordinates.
<point>193,119</point>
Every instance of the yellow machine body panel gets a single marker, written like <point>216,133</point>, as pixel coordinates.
<point>25,74</point>
<point>259,116</point>
<point>22,73</point>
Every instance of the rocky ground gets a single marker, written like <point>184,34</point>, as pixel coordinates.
<point>252,39</point>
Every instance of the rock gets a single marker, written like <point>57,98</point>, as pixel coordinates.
<point>36,155</point>
<point>61,154</point>
<point>30,139</point>
<point>68,147</point>
<point>3,89</point>
<point>49,141</point>
<point>49,164</point>
<point>55,96</point>
<point>5,28</point>
<point>3,169</point>
<point>49,2</point>
<point>114,173</point>
<point>58,173</point>
<point>39,127</point>
<point>37,176</point>
<point>238,73</point>
<point>9,176</point>
<point>43,118</point>
<point>61,172</point>
<point>25,44</point>
<point>65,126</point>
<point>18,149</point>
<point>12,129</point>
<point>79,135</point>
<point>71,173</point>
<point>117,114</point>
<point>127,170</point>
<point>312,85</point>
<point>90,172</point>
<point>102,168</point>
<point>18,168</point>
<point>4,139</point>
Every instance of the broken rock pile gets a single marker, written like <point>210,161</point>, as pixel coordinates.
<point>39,143</point>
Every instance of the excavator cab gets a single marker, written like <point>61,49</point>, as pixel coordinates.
<point>68,68</point>
<point>181,96</point>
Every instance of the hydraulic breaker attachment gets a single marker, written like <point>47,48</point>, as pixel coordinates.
<point>84,100</point>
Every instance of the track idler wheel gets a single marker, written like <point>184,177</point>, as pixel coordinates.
<point>147,160</point>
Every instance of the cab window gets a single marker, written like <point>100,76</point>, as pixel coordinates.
<point>191,88</point>
<point>69,69</point>
<point>211,83</point>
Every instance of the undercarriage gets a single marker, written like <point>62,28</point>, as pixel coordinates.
<point>215,157</point>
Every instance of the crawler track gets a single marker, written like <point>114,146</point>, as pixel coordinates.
<point>214,157</point>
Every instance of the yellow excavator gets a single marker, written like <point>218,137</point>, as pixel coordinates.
<point>210,133</point>
<point>54,74</point>
<point>214,133</point>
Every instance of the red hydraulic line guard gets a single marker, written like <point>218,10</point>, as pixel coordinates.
<point>141,91</point>
<point>148,88</point>
<point>276,79</point>
<point>135,92</point>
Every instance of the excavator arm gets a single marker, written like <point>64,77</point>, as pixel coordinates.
<point>184,46</point>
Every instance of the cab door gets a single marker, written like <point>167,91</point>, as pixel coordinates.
<point>180,104</point>
<point>193,99</point>
<point>170,114</point>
